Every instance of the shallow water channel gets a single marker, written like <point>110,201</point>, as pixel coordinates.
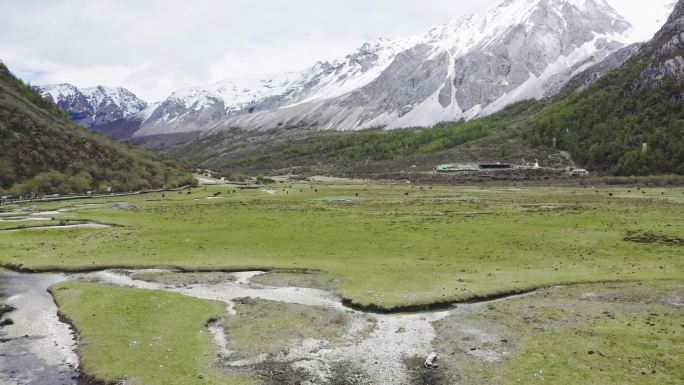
<point>39,349</point>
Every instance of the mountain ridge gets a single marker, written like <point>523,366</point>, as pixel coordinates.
<point>627,119</point>
<point>441,67</point>
<point>470,67</point>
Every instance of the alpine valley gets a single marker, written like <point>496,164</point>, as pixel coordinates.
<point>498,200</point>
<point>462,71</point>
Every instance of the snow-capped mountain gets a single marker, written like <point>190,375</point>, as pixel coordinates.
<point>198,107</point>
<point>96,106</point>
<point>472,66</point>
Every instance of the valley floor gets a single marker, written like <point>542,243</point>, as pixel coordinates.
<point>602,269</point>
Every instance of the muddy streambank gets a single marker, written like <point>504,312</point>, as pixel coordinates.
<point>345,302</point>
<point>66,225</point>
<point>435,306</point>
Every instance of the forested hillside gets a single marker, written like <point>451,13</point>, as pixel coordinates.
<point>42,151</point>
<point>345,148</point>
<point>630,122</point>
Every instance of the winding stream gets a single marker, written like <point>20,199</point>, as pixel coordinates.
<point>376,343</point>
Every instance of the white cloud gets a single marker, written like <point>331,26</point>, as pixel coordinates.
<point>646,17</point>
<point>154,47</point>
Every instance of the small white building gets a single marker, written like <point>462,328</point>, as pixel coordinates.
<point>573,171</point>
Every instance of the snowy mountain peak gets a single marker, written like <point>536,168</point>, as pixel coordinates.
<point>464,33</point>
<point>57,92</point>
<point>93,106</point>
<point>122,98</point>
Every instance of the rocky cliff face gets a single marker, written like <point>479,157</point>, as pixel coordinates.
<point>665,53</point>
<point>589,76</point>
<point>537,49</point>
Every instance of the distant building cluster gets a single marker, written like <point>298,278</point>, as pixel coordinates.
<point>493,168</point>
<point>472,168</point>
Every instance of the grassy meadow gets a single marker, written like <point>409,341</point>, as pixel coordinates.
<point>388,245</point>
<point>609,333</point>
<point>147,337</point>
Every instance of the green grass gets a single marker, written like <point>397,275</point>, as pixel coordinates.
<point>438,244</point>
<point>147,337</point>
<point>617,333</point>
<point>266,327</point>
<point>184,279</point>
<point>619,341</point>
<point>314,280</point>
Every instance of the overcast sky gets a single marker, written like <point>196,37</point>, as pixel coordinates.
<point>154,47</point>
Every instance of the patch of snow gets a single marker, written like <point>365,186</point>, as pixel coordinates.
<point>244,277</point>
<point>235,94</point>
<point>58,92</point>
<point>145,113</point>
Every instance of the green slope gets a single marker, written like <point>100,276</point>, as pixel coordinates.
<point>41,151</point>
<point>497,137</point>
<point>630,122</point>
